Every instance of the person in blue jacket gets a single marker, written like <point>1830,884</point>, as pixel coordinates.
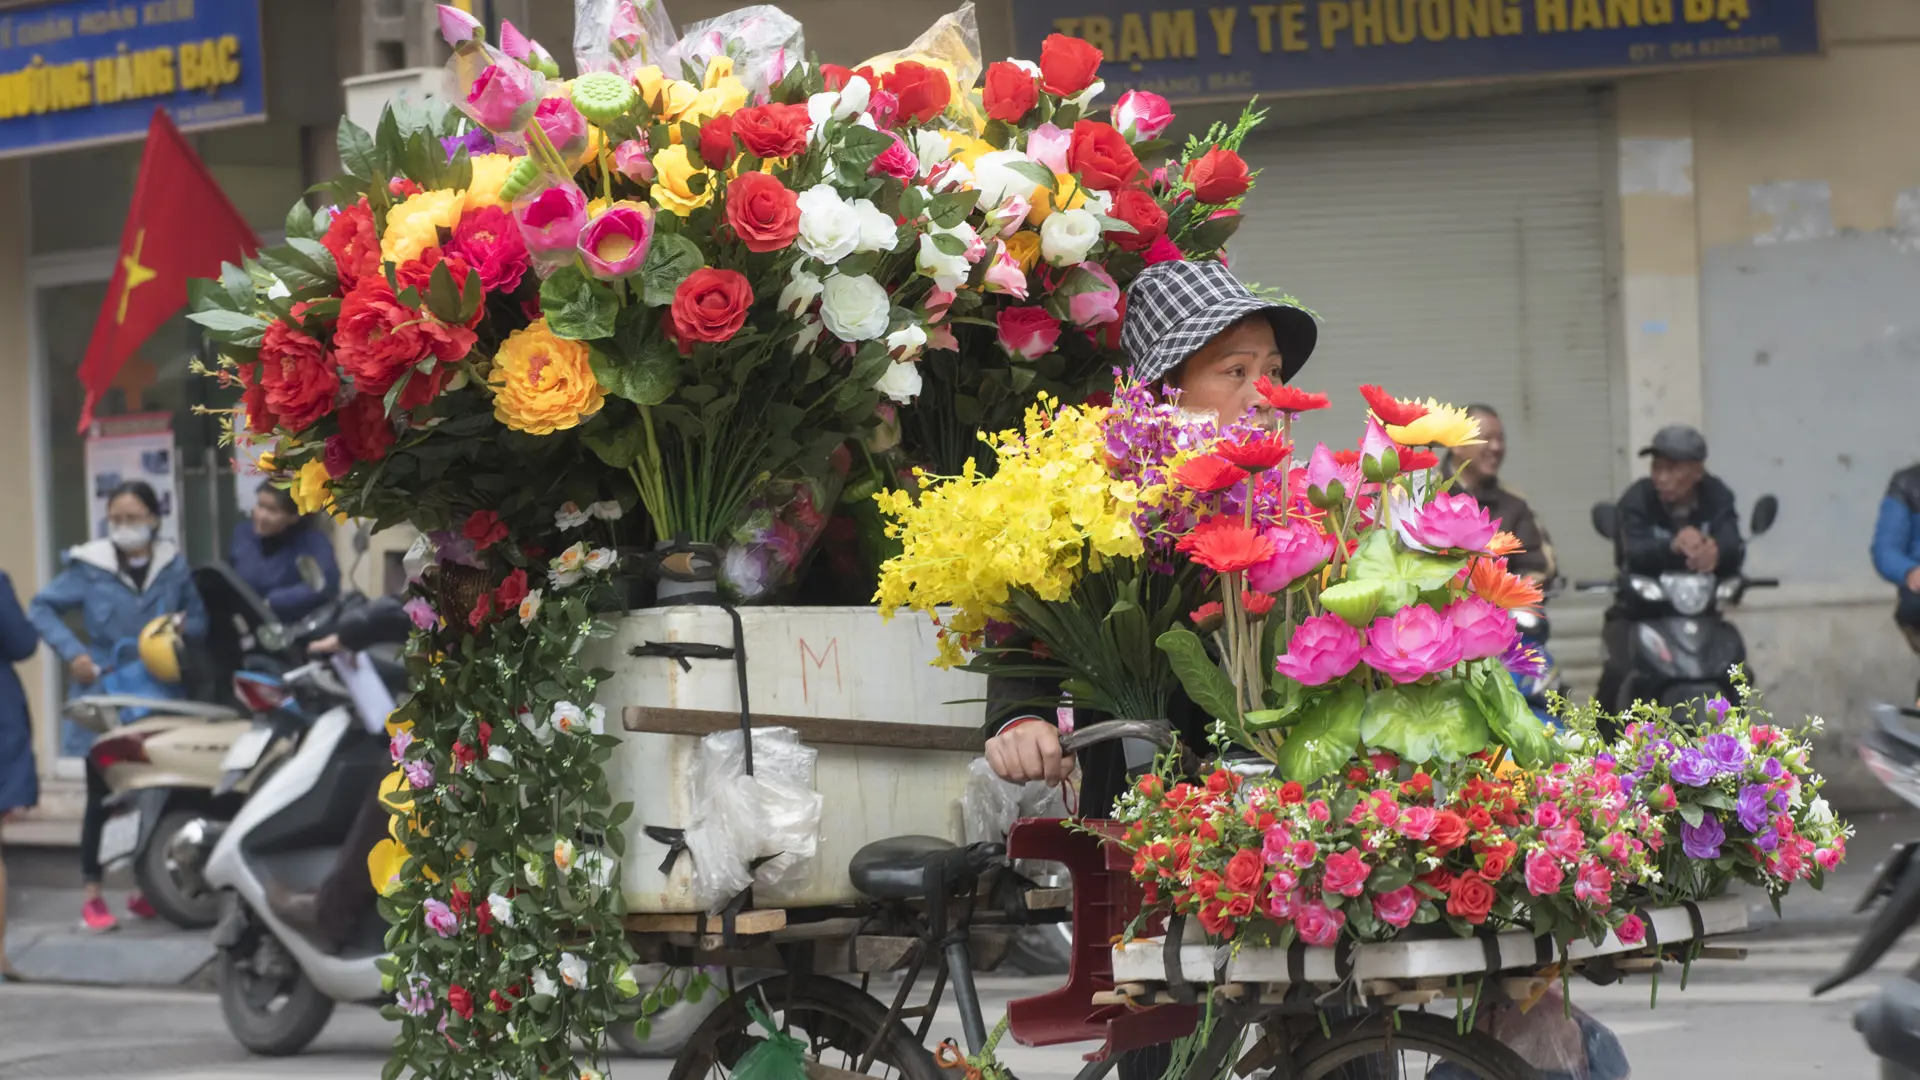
<point>19,784</point>
<point>266,554</point>
<point>119,584</point>
<point>1896,551</point>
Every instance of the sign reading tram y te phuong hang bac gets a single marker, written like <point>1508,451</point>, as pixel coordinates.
<point>1187,52</point>
<point>91,71</point>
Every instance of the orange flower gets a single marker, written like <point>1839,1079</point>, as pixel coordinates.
<point>1225,546</point>
<point>1389,409</point>
<point>1505,544</point>
<point>1493,582</point>
<point>1208,473</point>
<point>1257,451</point>
<point>1257,604</point>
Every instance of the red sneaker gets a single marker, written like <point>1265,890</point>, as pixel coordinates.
<point>96,919</point>
<point>138,907</point>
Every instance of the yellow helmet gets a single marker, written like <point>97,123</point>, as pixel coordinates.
<point>160,649</point>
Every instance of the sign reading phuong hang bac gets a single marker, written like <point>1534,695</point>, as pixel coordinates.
<point>91,71</point>
<point>1189,52</point>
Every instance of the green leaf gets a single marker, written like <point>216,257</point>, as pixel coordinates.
<point>1202,679</point>
<point>577,306</point>
<point>232,327</point>
<point>950,244</point>
<point>443,296</point>
<point>952,208</point>
<point>300,221</point>
<point>671,258</point>
<point>1692,814</point>
<point>1402,574</point>
<point>1425,723</point>
<point>1510,717</point>
<point>1039,174</point>
<point>1326,736</point>
<point>860,145</point>
<point>357,155</point>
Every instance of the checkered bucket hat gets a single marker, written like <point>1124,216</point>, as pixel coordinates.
<point>1175,307</point>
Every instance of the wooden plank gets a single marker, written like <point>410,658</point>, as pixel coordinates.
<point>758,921</point>
<point>883,734</point>
<point>1049,899</point>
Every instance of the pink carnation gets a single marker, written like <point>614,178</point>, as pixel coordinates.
<point>1323,649</point>
<point>1412,642</point>
<point>1453,521</point>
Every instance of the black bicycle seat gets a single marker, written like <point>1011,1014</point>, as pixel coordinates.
<point>909,867</point>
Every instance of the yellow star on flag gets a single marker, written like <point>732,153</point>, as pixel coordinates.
<point>137,275</point>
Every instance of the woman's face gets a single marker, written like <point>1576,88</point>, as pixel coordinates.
<point>1220,378</point>
<point>269,517</point>
<point>130,523</point>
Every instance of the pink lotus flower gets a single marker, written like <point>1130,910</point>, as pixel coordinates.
<point>502,99</point>
<point>1318,924</point>
<point>631,159</point>
<point>1346,873</point>
<point>1544,875</point>
<point>1397,908</point>
<point>1453,521</point>
<point>514,43</point>
<point>1412,642</point>
<point>614,244</point>
<point>1299,548</point>
<point>1162,250</point>
<point>1416,822</point>
<point>458,27</point>
<point>551,221</point>
<point>1004,274</point>
<point>1027,332</point>
<point>1595,883</point>
<point>1380,456</point>
<point>897,160</point>
<point>1047,147</point>
<point>1485,629</point>
<point>1323,649</point>
<point>1099,306</point>
<point>1142,115</point>
<point>1631,931</point>
<point>562,124</point>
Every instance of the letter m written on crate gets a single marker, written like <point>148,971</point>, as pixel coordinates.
<point>818,662</point>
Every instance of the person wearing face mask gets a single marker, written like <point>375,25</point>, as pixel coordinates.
<point>266,552</point>
<point>119,584</point>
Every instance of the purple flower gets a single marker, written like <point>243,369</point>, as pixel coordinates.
<point>1718,706</point>
<point>1694,768</point>
<point>1703,841</point>
<point>421,613</point>
<point>478,141</point>
<point>420,774</point>
<point>1753,810</point>
<point>1728,756</point>
<point>417,999</point>
<point>1766,840</point>
<point>441,919</point>
<point>1523,659</point>
<point>397,746</point>
<point>1773,769</point>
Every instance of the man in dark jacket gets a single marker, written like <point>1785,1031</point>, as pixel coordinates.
<point>1479,469</point>
<point>1679,518</point>
<point>1896,550</point>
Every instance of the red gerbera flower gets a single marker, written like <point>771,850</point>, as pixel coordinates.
<point>1257,604</point>
<point>1289,399</point>
<point>1254,452</point>
<point>1225,546</point>
<point>1208,616</point>
<point>1392,411</point>
<point>1208,473</point>
<point>1415,460</point>
<point>1346,457</point>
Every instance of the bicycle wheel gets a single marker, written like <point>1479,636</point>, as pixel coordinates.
<point>1423,1047</point>
<point>836,1021</point>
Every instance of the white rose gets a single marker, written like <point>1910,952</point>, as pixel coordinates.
<point>855,308</point>
<point>543,985</point>
<point>500,754</point>
<point>931,148</point>
<point>901,381</point>
<point>1100,202</point>
<point>820,110</point>
<point>1819,812</point>
<point>995,181</point>
<point>567,718</point>
<point>573,971</point>
<point>501,909</point>
<point>602,560</point>
<point>809,334</point>
<point>1067,235</point>
<point>829,228</point>
<point>906,342</point>
<point>957,177</point>
<point>877,230</point>
<point>948,271</point>
<point>597,719</point>
<point>569,517</point>
<point>853,98</point>
<point>607,510</point>
<point>801,291</point>
<point>1080,99</point>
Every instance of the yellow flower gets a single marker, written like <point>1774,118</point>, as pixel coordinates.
<point>1024,246</point>
<point>489,175</point>
<point>727,96</point>
<point>1066,195</point>
<point>967,149</point>
<point>542,383</point>
<point>311,491</point>
<point>384,864</point>
<point>718,68</point>
<point>1443,425</point>
<point>668,98</point>
<point>395,727</point>
<point>673,174</point>
<point>266,463</point>
<point>396,794</point>
<point>415,224</point>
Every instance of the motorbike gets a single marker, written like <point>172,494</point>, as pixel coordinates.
<point>1682,647</point>
<point>165,768</point>
<point>1535,630</point>
<point>1890,1021</point>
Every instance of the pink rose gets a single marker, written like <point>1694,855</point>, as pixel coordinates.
<point>1323,649</point>
<point>1595,883</point>
<point>1098,306</point>
<point>1141,115</point>
<point>631,159</point>
<point>1004,274</point>
<point>896,161</point>
<point>1485,629</point>
<point>1631,930</point>
<point>1398,907</point>
<point>1828,858</point>
<point>1274,844</point>
<point>1416,822</point>
<point>1453,521</point>
<point>1346,873</point>
<point>1299,547</point>
<point>1027,332</point>
<point>1412,642</point>
<point>1318,924</point>
<point>1317,810</point>
<point>1047,147</point>
<point>1544,875</point>
<point>1304,853</point>
<point>552,220</point>
<point>1546,815</point>
<point>1163,250</point>
<point>1283,881</point>
<point>502,98</point>
<point>1564,842</point>
<point>1283,903</point>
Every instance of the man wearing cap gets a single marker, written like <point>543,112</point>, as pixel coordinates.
<point>1678,518</point>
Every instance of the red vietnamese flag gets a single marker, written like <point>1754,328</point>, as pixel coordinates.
<point>180,226</point>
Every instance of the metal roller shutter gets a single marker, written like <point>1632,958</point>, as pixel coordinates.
<point>1457,253</point>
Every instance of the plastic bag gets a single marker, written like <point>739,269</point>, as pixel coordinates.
<point>952,45</point>
<point>779,1056</point>
<point>763,41</point>
<point>620,35</point>
<point>1562,1043</point>
<point>738,819</point>
<point>779,529</point>
<point>989,806</point>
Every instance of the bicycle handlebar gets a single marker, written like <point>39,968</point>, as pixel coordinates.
<point>1156,732</point>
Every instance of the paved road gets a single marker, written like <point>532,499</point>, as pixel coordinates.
<point>1752,1020</point>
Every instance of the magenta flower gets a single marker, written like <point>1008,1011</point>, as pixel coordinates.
<point>1544,876</point>
<point>563,125</point>
<point>1143,114</point>
<point>1323,649</point>
<point>614,244</point>
<point>1410,643</point>
<point>1162,250</point>
<point>1594,885</point>
<point>1397,908</point>
<point>1453,521</point>
<point>1328,481</point>
<point>897,161</point>
<point>421,614</point>
<point>1096,307</point>
<point>1485,629</point>
<point>441,919</point>
<point>552,221</point>
<point>1299,548</point>
<point>513,42</point>
<point>1318,924</point>
<point>1415,822</point>
<point>420,774</point>
<point>1380,456</point>
<point>503,97</point>
<point>397,746</point>
<point>631,159</point>
<point>1565,841</point>
<point>458,27</point>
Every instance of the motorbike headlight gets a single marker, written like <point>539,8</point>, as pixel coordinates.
<point>1647,589</point>
<point>1727,589</point>
<point>1690,594</point>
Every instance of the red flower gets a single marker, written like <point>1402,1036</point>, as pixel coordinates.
<point>1240,907</point>
<point>1144,213</point>
<point>501,1003</point>
<point>1220,781</point>
<point>1449,831</point>
<point>1214,920</point>
<point>460,901</point>
<point>1346,873</point>
<point>1226,546</point>
<point>1471,898</point>
<point>299,376</point>
<point>1440,878</point>
<point>710,305</point>
<point>716,142</point>
<point>378,340</point>
<point>923,91</point>
<point>1208,473</point>
<point>1101,157</point>
<point>336,457</point>
<point>1207,885</point>
<point>764,212</point>
<point>1292,793</point>
<point>1495,862</point>
<point>1290,399</point>
<point>482,913</point>
<point>511,592</point>
<point>1068,65</point>
<point>1254,452</point>
<point>1480,819</point>
<point>1243,871</point>
<point>485,735</point>
<point>400,187</point>
<point>1208,616</point>
<point>464,756</point>
<point>365,431</point>
<point>484,528</point>
<point>482,610</point>
<point>836,76</point>
<point>260,418</point>
<point>1009,91</point>
<point>1391,411</point>
<point>417,273</point>
<point>1257,604</point>
<point>1218,176</point>
<point>354,243</point>
<point>460,1000</point>
<point>1415,460</point>
<point>772,131</point>
<point>1346,457</point>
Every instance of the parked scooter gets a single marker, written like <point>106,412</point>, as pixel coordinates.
<point>1890,1021</point>
<point>1535,629</point>
<point>1682,647</point>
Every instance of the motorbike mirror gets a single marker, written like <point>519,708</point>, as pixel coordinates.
<point>1606,520</point>
<point>310,573</point>
<point>1764,513</point>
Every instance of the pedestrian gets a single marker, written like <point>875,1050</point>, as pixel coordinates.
<point>120,584</point>
<point>19,783</point>
<point>266,553</point>
<point>1896,552</point>
<point>1478,466</point>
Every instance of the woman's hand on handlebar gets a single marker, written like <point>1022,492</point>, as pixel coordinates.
<point>325,646</point>
<point>1026,751</point>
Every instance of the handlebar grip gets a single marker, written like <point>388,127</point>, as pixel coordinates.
<point>1158,733</point>
<point>1763,583</point>
<point>1593,586</point>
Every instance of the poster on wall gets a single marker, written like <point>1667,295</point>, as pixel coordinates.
<point>136,447</point>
